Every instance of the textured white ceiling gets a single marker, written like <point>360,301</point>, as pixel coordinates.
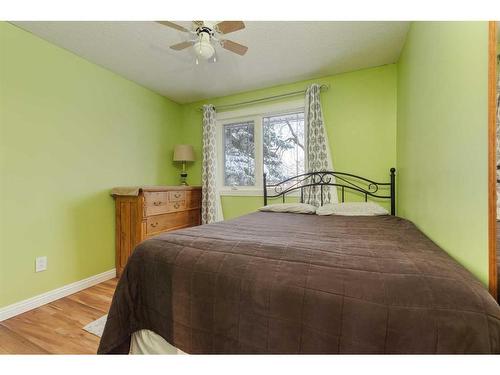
<point>279,52</point>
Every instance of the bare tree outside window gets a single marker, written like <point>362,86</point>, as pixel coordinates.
<point>239,154</point>
<point>283,146</point>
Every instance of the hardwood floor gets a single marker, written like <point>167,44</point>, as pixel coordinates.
<point>57,328</point>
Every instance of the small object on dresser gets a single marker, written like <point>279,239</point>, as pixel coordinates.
<point>183,153</point>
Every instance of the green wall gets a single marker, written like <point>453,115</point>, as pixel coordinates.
<point>442,137</point>
<point>360,116</point>
<point>69,131</point>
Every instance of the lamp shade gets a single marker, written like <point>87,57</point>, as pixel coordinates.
<point>183,153</point>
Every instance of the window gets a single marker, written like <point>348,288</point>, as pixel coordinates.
<point>253,141</point>
<point>239,154</point>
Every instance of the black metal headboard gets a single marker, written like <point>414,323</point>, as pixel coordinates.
<point>339,179</point>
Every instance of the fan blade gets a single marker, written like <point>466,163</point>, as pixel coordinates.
<point>173,26</point>
<point>234,47</point>
<point>182,45</point>
<point>226,27</point>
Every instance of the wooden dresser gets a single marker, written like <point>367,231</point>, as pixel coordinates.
<point>144,212</point>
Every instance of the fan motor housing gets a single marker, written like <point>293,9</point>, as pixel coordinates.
<point>204,29</point>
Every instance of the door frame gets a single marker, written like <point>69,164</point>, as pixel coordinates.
<point>492,162</point>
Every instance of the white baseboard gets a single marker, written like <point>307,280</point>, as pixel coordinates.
<point>42,299</point>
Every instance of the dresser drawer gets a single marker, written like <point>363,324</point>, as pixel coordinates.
<point>157,203</point>
<point>176,206</point>
<point>176,196</point>
<point>165,222</point>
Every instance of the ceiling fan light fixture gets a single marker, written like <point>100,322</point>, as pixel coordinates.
<point>203,48</point>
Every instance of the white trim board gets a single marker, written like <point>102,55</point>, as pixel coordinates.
<point>52,295</point>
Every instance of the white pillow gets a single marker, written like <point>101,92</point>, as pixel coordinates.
<point>296,208</point>
<point>352,209</point>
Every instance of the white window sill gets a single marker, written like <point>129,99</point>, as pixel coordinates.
<point>241,192</point>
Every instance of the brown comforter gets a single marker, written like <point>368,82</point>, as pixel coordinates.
<point>292,283</point>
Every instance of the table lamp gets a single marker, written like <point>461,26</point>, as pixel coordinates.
<point>183,153</point>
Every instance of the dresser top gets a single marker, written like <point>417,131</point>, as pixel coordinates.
<point>136,190</point>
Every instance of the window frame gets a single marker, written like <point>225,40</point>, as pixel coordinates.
<point>256,114</point>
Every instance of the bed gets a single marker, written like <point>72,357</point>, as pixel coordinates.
<point>291,283</point>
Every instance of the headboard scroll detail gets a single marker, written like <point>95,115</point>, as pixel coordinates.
<point>344,181</point>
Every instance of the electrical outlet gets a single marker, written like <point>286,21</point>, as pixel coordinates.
<point>40,264</point>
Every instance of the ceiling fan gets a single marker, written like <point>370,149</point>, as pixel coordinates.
<point>203,36</point>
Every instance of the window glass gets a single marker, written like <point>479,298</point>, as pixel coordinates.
<point>239,154</point>
<point>283,146</point>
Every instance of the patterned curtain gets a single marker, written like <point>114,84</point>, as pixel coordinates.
<point>210,203</point>
<point>318,150</point>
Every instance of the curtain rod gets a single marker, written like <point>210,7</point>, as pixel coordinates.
<point>268,98</point>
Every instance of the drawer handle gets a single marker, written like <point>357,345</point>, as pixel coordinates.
<point>154,225</point>
<point>177,195</point>
<point>176,205</point>
<point>157,203</point>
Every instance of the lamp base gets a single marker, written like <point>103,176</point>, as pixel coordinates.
<point>183,179</point>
